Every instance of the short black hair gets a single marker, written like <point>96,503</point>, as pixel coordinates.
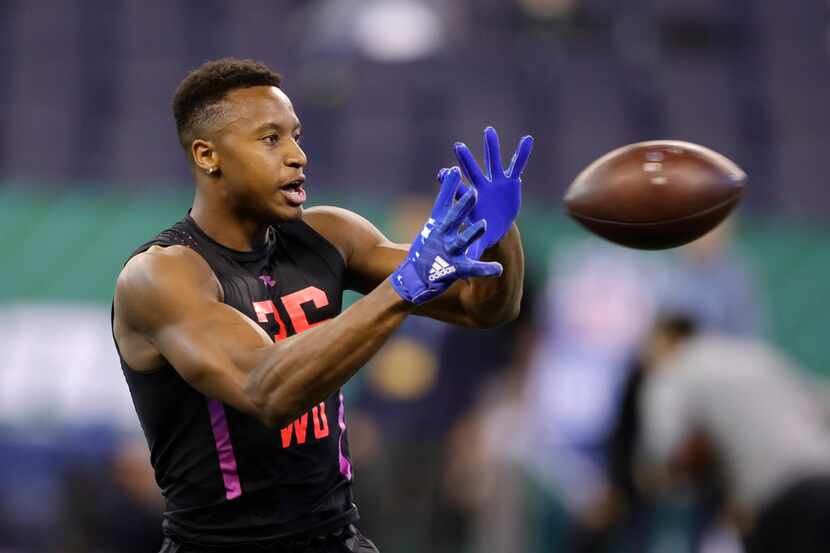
<point>204,88</point>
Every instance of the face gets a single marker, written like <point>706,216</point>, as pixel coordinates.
<point>258,154</point>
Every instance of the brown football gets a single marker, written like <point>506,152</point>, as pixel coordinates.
<point>655,195</point>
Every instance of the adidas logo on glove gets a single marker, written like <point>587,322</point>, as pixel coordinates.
<point>440,268</point>
<point>438,255</point>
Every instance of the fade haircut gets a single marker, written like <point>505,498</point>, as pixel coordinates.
<point>198,99</point>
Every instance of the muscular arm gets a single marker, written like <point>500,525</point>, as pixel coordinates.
<point>168,307</point>
<point>371,258</point>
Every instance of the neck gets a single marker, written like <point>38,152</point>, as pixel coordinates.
<point>226,228</point>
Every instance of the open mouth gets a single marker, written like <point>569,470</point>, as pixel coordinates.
<point>294,192</point>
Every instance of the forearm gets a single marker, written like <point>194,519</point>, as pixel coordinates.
<point>306,369</point>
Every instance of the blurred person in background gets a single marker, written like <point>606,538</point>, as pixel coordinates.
<point>717,285</point>
<point>600,304</point>
<point>739,407</point>
<point>596,308</point>
<point>211,386</point>
<point>712,281</point>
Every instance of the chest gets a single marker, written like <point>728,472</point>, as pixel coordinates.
<point>285,296</point>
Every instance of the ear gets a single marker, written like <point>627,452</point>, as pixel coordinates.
<point>205,156</point>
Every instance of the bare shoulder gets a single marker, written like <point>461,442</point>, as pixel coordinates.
<point>161,277</point>
<point>348,231</point>
<point>336,219</point>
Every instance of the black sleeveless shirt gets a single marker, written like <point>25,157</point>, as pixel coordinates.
<point>226,478</point>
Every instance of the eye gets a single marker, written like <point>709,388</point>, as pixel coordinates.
<point>271,139</point>
<point>298,138</point>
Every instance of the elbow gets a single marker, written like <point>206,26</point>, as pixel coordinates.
<point>268,405</point>
<point>497,310</point>
<point>512,313</point>
<point>274,421</point>
<point>272,416</point>
<point>493,319</point>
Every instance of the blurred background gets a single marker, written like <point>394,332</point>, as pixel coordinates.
<point>518,439</point>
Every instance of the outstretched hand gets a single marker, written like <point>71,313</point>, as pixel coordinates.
<point>499,191</point>
<point>437,257</point>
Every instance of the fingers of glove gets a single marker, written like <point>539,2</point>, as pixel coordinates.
<point>517,164</point>
<point>462,188</point>
<point>468,164</point>
<point>475,250</point>
<point>459,211</point>
<point>492,153</point>
<point>467,236</point>
<point>480,269</point>
<point>450,179</point>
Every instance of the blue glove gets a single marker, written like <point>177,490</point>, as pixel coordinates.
<point>448,191</point>
<point>499,193</point>
<point>436,258</point>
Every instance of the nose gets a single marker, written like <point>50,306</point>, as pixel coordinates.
<point>296,158</point>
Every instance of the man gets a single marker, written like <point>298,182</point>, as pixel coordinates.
<point>248,435</point>
<point>737,405</point>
